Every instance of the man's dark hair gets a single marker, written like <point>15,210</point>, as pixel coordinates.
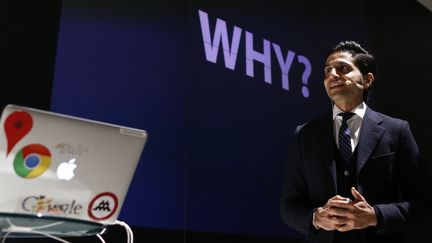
<point>363,60</point>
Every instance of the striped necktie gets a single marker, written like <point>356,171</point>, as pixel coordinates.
<point>345,149</point>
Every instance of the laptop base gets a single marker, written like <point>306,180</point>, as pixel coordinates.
<point>30,226</point>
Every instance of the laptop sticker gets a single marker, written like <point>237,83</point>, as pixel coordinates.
<point>103,206</point>
<point>16,126</point>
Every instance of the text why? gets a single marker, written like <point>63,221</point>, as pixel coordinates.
<point>230,49</point>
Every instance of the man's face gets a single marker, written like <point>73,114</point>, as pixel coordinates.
<point>338,70</point>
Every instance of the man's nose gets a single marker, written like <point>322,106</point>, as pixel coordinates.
<point>333,73</point>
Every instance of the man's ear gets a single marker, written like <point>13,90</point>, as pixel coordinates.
<point>368,79</point>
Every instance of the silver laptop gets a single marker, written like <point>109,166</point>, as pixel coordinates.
<point>63,171</point>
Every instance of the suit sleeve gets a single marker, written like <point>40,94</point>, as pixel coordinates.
<point>295,209</point>
<point>413,181</point>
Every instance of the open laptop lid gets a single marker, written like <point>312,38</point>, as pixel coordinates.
<point>65,167</point>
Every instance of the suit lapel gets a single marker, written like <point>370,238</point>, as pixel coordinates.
<point>327,146</point>
<point>370,134</point>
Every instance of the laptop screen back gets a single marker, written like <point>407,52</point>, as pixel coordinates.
<point>53,165</point>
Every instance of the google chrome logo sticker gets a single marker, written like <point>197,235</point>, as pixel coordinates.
<point>32,161</point>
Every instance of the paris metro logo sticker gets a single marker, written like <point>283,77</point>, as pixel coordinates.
<point>103,206</point>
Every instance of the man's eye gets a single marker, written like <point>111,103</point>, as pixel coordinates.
<point>344,68</point>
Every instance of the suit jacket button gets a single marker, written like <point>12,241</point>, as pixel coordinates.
<point>346,173</point>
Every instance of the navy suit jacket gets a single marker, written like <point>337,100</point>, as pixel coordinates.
<point>390,176</point>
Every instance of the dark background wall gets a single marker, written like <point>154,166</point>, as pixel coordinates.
<point>28,50</point>
<point>398,33</point>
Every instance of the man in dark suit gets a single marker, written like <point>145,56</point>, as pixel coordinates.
<point>355,175</point>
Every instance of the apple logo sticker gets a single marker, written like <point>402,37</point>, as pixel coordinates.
<point>65,171</point>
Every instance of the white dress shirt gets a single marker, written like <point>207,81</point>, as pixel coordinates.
<point>354,123</point>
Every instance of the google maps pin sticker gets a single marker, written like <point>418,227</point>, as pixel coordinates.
<point>17,125</point>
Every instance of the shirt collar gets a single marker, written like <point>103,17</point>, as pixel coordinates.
<point>359,110</point>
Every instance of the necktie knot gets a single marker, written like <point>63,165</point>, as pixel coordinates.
<point>346,116</point>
